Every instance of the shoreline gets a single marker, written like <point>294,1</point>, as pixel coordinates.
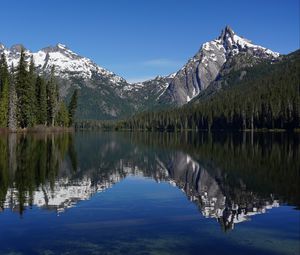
<point>263,130</point>
<point>37,129</point>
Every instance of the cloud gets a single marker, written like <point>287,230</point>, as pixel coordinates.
<point>139,79</point>
<point>162,62</point>
<point>144,70</point>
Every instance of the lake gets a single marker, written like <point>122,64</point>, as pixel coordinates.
<point>150,193</point>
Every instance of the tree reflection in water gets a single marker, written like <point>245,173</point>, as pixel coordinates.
<point>228,176</point>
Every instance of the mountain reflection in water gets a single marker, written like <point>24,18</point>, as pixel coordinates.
<point>229,177</point>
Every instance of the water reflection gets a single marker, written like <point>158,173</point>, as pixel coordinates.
<point>229,177</point>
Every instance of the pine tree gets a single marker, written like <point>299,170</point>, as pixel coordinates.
<point>62,115</point>
<point>12,107</point>
<point>31,94</point>
<point>51,99</point>
<point>72,107</point>
<point>4,91</point>
<point>23,94</point>
<point>41,101</point>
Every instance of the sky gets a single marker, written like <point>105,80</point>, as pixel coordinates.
<point>140,39</point>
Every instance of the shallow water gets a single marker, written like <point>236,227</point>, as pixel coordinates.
<point>149,193</point>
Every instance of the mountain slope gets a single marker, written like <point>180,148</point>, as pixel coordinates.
<point>266,97</point>
<point>100,90</point>
<point>146,95</point>
<point>205,67</point>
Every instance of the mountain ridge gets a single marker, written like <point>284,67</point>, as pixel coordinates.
<point>105,95</point>
<point>203,68</point>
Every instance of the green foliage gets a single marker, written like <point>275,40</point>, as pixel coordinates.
<point>72,107</point>
<point>23,93</point>
<point>62,118</point>
<point>41,101</point>
<point>27,99</point>
<point>4,88</point>
<point>12,107</point>
<point>25,89</point>
<point>101,101</point>
<point>31,93</point>
<point>51,99</point>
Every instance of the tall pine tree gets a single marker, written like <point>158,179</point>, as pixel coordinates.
<point>4,91</point>
<point>41,101</point>
<point>51,99</point>
<point>72,107</point>
<point>31,94</point>
<point>12,107</point>
<point>23,94</point>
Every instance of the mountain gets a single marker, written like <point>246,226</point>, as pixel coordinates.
<point>105,95</point>
<point>263,96</point>
<point>100,90</point>
<point>146,95</point>
<point>214,57</point>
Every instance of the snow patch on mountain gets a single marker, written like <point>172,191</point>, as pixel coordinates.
<point>204,67</point>
<point>66,62</point>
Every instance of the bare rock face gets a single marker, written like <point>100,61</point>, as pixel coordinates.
<point>201,70</point>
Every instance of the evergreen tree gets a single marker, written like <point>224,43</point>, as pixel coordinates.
<point>31,93</point>
<point>4,91</point>
<point>62,115</point>
<point>72,107</point>
<point>41,101</point>
<point>12,111</point>
<point>26,99</point>
<point>23,93</point>
<point>51,99</point>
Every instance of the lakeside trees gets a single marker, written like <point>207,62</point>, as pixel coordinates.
<point>28,99</point>
<point>72,107</point>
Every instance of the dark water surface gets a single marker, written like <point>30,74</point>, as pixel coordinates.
<point>150,193</point>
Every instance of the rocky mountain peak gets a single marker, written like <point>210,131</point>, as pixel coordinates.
<point>62,49</point>
<point>226,33</point>
<point>202,69</point>
<point>16,48</point>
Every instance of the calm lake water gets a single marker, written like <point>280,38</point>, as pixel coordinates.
<point>150,193</point>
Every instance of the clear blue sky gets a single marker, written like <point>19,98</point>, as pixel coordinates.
<point>139,39</point>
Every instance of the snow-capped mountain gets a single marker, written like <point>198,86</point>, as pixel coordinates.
<point>66,62</point>
<point>202,69</point>
<point>101,90</point>
<point>105,95</point>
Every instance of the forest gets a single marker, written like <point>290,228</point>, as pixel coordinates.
<point>268,99</point>
<point>28,100</point>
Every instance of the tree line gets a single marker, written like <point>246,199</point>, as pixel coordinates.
<point>268,101</point>
<point>28,99</point>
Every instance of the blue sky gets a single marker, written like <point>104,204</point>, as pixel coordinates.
<point>141,39</point>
